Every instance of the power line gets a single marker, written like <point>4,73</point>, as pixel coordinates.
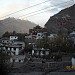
<point>42,9</point>
<point>25,8</point>
<point>35,13</point>
<point>40,12</point>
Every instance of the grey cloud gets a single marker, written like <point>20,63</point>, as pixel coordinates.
<point>62,3</point>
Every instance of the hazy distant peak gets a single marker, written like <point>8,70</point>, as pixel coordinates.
<point>11,24</point>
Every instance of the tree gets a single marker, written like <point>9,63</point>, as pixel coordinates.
<point>14,32</point>
<point>43,43</point>
<point>4,67</point>
<point>64,43</point>
<point>6,34</point>
<point>21,37</point>
<point>28,47</point>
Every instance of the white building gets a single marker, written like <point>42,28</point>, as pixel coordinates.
<point>41,52</point>
<point>52,36</point>
<point>22,44</point>
<point>17,58</point>
<point>12,49</point>
<point>13,37</point>
<point>73,61</point>
<point>39,36</point>
<point>72,34</point>
<point>6,40</point>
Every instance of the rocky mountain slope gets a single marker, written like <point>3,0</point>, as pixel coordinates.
<point>63,21</point>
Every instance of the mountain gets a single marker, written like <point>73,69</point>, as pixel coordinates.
<point>12,24</point>
<point>63,21</point>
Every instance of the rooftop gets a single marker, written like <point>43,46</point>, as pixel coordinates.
<point>40,49</point>
<point>13,45</point>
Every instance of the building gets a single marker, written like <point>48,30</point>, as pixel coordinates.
<point>37,29</point>
<point>72,36</point>
<point>13,37</point>
<point>20,43</point>
<point>30,38</point>
<point>73,59</point>
<point>6,41</point>
<point>17,59</point>
<point>36,33</point>
<point>52,36</point>
<point>41,52</point>
<point>12,49</point>
<point>41,35</point>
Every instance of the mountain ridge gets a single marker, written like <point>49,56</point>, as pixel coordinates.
<point>63,21</point>
<point>18,25</point>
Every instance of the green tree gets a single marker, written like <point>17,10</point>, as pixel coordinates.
<point>43,43</point>
<point>63,43</point>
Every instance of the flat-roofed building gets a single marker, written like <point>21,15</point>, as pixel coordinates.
<point>17,59</point>
<point>40,52</point>
<point>6,40</point>
<point>13,37</point>
<point>12,49</point>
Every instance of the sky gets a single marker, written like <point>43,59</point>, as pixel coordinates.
<point>25,9</point>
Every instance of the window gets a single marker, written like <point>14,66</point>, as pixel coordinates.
<point>11,37</point>
<point>6,48</point>
<point>14,53</point>
<point>2,41</point>
<point>10,49</point>
<point>13,60</point>
<point>38,34</point>
<point>14,48</point>
<point>19,60</point>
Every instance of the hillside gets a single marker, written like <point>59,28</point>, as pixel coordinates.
<point>12,24</point>
<point>63,21</point>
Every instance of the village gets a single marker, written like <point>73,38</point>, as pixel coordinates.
<point>39,51</point>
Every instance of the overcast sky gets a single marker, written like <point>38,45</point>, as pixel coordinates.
<point>44,10</point>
